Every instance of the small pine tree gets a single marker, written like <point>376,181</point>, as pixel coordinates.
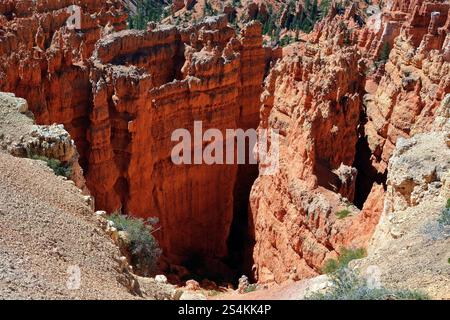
<point>147,11</point>
<point>384,54</point>
<point>209,10</point>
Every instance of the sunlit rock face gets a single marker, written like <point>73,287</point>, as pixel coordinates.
<point>339,119</point>
<point>121,94</point>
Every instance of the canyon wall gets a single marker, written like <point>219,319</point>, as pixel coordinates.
<point>45,61</point>
<point>340,110</point>
<point>339,101</point>
<point>415,80</point>
<point>146,84</point>
<point>121,94</point>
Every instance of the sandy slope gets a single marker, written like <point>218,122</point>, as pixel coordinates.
<point>46,227</point>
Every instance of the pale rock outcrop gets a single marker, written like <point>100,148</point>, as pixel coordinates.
<point>20,137</point>
<point>409,247</point>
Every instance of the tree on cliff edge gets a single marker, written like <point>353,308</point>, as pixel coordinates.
<point>147,11</point>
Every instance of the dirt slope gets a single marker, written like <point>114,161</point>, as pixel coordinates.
<point>47,225</point>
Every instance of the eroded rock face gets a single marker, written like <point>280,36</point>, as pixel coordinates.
<point>415,80</point>
<point>314,100</point>
<point>409,235</point>
<point>145,86</point>
<point>327,127</point>
<point>122,98</point>
<point>122,93</point>
<point>45,62</point>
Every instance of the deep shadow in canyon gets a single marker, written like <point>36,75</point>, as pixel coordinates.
<point>367,174</point>
<point>240,242</point>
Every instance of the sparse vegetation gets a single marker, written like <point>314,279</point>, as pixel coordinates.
<point>251,288</point>
<point>286,40</point>
<point>348,285</point>
<point>209,10</point>
<point>236,3</point>
<point>147,11</point>
<point>444,219</point>
<point>57,166</point>
<point>383,57</point>
<point>144,248</point>
<point>343,213</point>
<point>346,255</point>
<point>311,14</point>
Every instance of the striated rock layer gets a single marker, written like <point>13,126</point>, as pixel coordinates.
<point>340,102</point>
<point>415,81</point>
<point>338,123</point>
<point>121,94</point>
<point>314,100</point>
<point>45,61</point>
<point>147,84</point>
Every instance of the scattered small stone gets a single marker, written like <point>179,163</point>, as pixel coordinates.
<point>192,285</point>
<point>176,295</point>
<point>396,233</point>
<point>243,284</point>
<point>161,278</point>
<point>100,213</point>
<point>186,295</point>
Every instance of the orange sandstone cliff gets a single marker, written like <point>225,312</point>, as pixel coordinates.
<point>121,94</point>
<point>338,103</point>
<point>145,85</point>
<point>339,121</point>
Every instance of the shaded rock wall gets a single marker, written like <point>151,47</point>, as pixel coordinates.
<point>146,85</point>
<point>121,99</point>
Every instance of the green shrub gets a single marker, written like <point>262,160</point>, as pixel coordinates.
<point>384,54</point>
<point>57,166</point>
<point>146,11</point>
<point>286,40</point>
<point>209,10</point>
<point>345,256</point>
<point>444,219</point>
<point>251,288</point>
<point>144,248</point>
<point>348,285</point>
<point>343,213</point>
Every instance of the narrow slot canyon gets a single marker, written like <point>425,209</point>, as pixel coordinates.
<point>367,174</point>
<point>240,240</point>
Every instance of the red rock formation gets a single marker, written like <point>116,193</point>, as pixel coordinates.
<point>122,105</point>
<point>146,85</point>
<point>43,61</point>
<point>314,98</point>
<point>122,94</point>
<point>415,81</point>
